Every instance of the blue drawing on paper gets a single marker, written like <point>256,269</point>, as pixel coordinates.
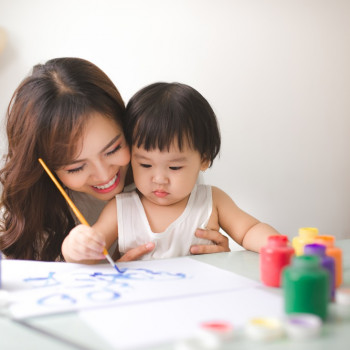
<point>56,300</point>
<point>64,290</point>
<point>46,281</point>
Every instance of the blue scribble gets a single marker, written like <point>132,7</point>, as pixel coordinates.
<point>47,281</point>
<point>103,295</point>
<point>56,299</point>
<point>99,287</point>
<point>140,274</point>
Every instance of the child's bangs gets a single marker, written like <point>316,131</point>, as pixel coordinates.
<point>162,133</point>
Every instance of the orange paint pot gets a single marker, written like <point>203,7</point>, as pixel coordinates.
<point>335,253</point>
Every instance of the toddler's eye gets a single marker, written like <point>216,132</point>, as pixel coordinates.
<point>146,165</point>
<point>175,167</point>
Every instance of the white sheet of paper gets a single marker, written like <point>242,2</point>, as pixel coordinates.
<point>154,323</point>
<point>39,288</point>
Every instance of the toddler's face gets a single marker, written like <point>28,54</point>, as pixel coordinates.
<point>101,165</point>
<point>166,178</point>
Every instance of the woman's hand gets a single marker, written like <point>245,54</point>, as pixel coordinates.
<point>220,241</point>
<point>137,253</point>
<point>83,244</point>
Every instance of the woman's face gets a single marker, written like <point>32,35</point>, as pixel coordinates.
<point>101,165</point>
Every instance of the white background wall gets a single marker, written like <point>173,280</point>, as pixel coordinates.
<point>277,73</point>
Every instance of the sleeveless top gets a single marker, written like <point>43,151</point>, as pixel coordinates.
<point>176,240</point>
<point>91,208</point>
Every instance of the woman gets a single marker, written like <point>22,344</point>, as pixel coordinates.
<point>49,117</point>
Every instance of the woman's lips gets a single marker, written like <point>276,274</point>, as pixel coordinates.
<point>109,186</point>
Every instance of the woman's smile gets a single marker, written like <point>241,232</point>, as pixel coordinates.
<point>109,186</point>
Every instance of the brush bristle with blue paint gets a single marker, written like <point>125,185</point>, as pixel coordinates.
<point>110,260</point>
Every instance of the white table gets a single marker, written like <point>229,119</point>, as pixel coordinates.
<point>68,332</point>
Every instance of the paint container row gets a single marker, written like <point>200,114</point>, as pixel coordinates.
<point>309,271</point>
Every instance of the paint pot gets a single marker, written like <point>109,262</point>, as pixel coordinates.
<point>209,335</point>
<point>307,235</point>
<point>221,329</point>
<point>305,281</point>
<point>302,326</point>
<point>326,261</point>
<point>334,252</point>
<point>264,329</point>
<point>273,258</point>
<point>342,303</point>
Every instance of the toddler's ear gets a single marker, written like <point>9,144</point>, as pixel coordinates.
<point>205,164</point>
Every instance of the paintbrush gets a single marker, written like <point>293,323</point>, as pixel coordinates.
<point>76,211</point>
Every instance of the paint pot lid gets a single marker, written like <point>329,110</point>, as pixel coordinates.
<point>221,329</point>
<point>308,232</point>
<point>302,326</point>
<point>342,296</point>
<point>264,329</point>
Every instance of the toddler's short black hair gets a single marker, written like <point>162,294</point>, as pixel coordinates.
<point>161,112</point>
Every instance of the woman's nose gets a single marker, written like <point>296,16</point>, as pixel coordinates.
<point>101,173</point>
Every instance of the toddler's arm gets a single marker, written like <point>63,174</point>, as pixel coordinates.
<point>240,226</point>
<point>85,244</point>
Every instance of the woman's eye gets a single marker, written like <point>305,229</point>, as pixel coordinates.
<point>114,150</point>
<point>145,165</point>
<point>75,170</point>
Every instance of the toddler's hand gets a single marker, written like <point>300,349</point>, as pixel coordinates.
<point>83,243</point>
<point>138,252</point>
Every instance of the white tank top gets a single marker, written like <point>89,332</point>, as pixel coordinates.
<point>176,240</point>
